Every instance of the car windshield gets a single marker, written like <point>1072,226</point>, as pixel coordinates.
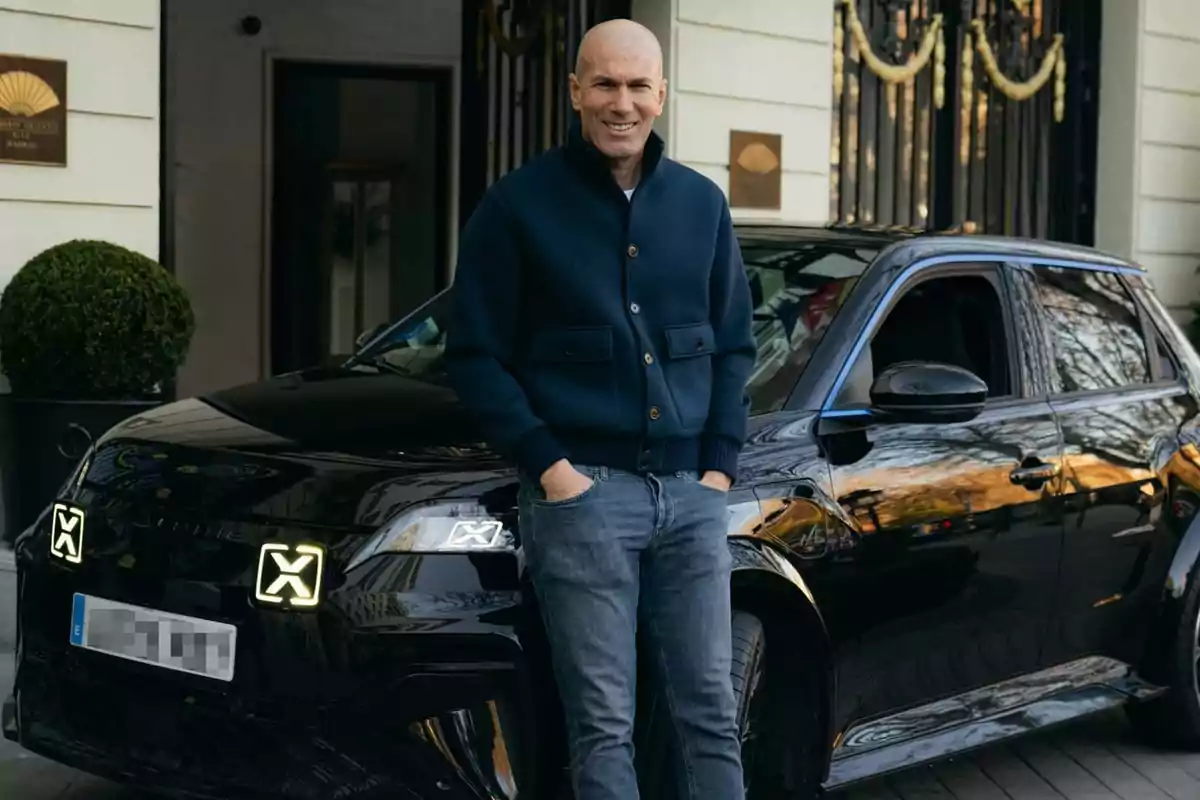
<point>797,288</point>
<point>414,346</point>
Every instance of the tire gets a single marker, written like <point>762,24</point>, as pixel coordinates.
<point>1173,720</point>
<point>749,674</point>
<point>779,728</point>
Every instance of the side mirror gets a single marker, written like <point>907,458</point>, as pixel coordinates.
<point>925,392</point>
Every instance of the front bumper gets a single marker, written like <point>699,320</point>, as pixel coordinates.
<point>363,711</point>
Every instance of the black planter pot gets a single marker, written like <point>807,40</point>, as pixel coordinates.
<point>46,439</point>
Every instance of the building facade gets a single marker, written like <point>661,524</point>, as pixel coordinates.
<point>303,166</point>
<point>109,187</point>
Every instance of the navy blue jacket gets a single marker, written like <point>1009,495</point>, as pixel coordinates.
<point>608,331</point>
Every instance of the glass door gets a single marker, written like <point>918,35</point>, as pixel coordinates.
<point>358,263</point>
<point>359,222</point>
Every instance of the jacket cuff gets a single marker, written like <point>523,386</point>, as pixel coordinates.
<point>720,453</point>
<point>537,451</point>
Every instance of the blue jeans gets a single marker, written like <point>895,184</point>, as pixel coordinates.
<point>648,550</point>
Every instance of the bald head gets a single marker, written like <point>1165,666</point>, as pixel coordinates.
<point>618,89</point>
<point>618,37</point>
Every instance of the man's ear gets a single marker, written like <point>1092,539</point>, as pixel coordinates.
<point>576,90</point>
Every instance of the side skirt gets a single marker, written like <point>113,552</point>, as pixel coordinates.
<point>983,717</point>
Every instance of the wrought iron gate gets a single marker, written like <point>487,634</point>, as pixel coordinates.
<point>515,98</point>
<point>975,115</point>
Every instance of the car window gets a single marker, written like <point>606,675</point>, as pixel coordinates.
<point>1166,364</point>
<point>955,319</point>
<point>1096,334</point>
<point>797,291</point>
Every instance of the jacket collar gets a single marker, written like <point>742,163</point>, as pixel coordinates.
<point>585,154</point>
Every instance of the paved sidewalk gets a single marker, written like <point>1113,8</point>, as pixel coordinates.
<point>24,776</point>
<point>1097,759</point>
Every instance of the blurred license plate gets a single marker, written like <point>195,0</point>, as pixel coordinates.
<point>159,638</point>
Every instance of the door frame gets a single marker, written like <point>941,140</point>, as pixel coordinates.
<point>1021,404</point>
<point>452,69</point>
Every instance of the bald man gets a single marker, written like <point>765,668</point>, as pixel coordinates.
<point>601,339</point>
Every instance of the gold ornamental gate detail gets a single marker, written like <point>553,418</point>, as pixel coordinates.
<point>964,115</point>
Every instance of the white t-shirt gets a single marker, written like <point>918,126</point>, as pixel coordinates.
<point>628,194</point>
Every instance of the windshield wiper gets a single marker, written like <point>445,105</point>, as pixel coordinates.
<point>380,363</point>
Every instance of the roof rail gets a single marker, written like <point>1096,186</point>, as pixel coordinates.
<point>964,228</point>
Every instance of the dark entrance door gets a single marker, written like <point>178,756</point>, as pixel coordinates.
<point>993,133</point>
<point>360,203</point>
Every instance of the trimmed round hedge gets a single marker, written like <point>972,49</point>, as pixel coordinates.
<point>91,320</point>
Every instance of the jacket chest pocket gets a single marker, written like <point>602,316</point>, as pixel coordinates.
<point>572,345</point>
<point>688,370</point>
<point>570,375</point>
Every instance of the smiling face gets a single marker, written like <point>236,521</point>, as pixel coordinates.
<point>618,88</point>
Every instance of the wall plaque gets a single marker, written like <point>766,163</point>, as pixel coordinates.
<point>755,170</point>
<point>33,111</point>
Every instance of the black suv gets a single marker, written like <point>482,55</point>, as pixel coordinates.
<point>966,511</point>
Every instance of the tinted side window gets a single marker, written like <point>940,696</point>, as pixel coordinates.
<point>1095,331</point>
<point>955,319</point>
<point>1166,364</point>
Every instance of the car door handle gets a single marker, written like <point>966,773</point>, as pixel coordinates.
<point>1033,474</point>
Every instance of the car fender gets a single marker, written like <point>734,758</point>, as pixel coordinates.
<point>766,583</point>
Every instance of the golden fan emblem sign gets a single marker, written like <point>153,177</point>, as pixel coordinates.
<point>33,111</point>
<point>755,170</point>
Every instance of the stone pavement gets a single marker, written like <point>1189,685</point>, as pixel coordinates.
<point>1094,760</point>
<point>24,776</point>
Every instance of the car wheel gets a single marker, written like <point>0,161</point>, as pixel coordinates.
<point>1173,719</point>
<point>778,721</point>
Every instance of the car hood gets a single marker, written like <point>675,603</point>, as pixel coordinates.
<point>324,447</point>
<point>360,413</point>
<point>347,409</point>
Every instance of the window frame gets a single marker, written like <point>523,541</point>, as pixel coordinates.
<point>991,270</point>
<point>1183,352</point>
<point>838,357</point>
<point>1152,331</point>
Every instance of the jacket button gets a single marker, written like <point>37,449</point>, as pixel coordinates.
<point>633,251</point>
<point>699,343</point>
<point>653,412</point>
<point>649,358</point>
<point>635,308</point>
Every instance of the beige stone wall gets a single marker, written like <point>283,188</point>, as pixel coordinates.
<point>756,65</point>
<point>1148,192</point>
<point>110,186</point>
